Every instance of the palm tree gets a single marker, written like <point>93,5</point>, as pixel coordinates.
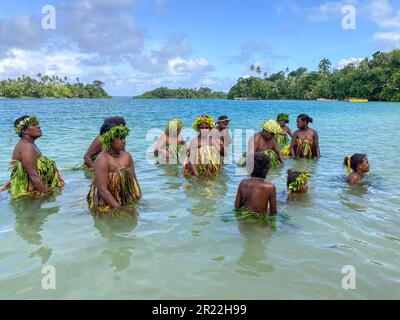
<point>324,66</point>
<point>252,67</point>
<point>258,70</point>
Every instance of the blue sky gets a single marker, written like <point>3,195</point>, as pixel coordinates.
<point>138,45</point>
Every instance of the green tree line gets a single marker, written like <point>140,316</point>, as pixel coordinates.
<point>50,87</point>
<point>376,79</point>
<point>182,93</point>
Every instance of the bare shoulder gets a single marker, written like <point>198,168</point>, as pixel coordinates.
<point>102,157</point>
<point>269,186</point>
<point>127,155</point>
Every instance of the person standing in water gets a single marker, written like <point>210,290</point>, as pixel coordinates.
<point>171,147</point>
<point>264,141</point>
<point>254,194</point>
<point>32,173</point>
<point>282,138</point>
<point>203,158</point>
<point>96,146</point>
<point>360,166</point>
<point>115,185</point>
<point>222,134</point>
<point>305,142</point>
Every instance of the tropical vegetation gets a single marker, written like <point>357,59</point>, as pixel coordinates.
<point>376,79</point>
<point>182,93</point>
<point>46,86</point>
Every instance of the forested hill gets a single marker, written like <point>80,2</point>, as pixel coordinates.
<point>376,79</point>
<point>50,87</point>
<point>182,93</point>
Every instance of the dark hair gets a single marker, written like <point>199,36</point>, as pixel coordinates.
<point>16,122</point>
<point>305,118</point>
<point>106,127</point>
<point>20,119</point>
<point>223,118</point>
<point>262,163</point>
<point>355,160</point>
<point>292,176</point>
<point>114,121</point>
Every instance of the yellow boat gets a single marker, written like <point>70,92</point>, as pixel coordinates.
<point>357,100</point>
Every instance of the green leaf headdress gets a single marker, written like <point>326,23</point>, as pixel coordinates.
<point>203,119</point>
<point>301,180</point>
<point>174,124</point>
<point>108,137</point>
<point>283,117</point>
<point>25,123</point>
<point>271,126</point>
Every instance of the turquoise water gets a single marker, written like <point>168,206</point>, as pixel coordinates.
<point>186,243</point>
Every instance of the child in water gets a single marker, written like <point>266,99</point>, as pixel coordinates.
<point>360,166</point>
<point>282,138</point>
<point>254,194</point>
<point>297,181</point>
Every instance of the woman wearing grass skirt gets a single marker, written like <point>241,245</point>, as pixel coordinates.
<point>32,173</point>
<point>264,142</point>
<point>203,157</point>
<point>171,147</point>
<point>115,185</point>
<point>305,142</point>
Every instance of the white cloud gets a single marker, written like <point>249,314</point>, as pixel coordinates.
<point>381,12</point>
<point>387,40</point>
<point>172,58</point>
<point>344,62</point>
<point>325,11</point>
<point>19,61</point>
<point>179,66</point>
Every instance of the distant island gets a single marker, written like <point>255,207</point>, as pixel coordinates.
<point>182,93</point>
<point>377,79</point>
<point>50,87</point>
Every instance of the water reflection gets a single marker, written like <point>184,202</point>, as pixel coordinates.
<point>30,214</point>
<point>206,194</point>
<point>117,229</point>
<point>351,196</point>
<point>253,259</point>
<point>172,175</point>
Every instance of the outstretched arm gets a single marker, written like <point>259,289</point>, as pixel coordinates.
<point>292,144</point>
<point>101,176</point>
<point>289,132</point>
<point>29,161</point>
<point>316,139</point>
<point>192,156</point>
<point>160,146</point>
<point>94,148</point>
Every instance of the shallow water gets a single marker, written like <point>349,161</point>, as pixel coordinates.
<point>186,243</point>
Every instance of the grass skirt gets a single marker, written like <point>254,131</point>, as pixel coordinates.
<point>20,185</point>
<point>208,162</point>
<point>270,153</point>
<point>122,185</point>
<point>304,148</point>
